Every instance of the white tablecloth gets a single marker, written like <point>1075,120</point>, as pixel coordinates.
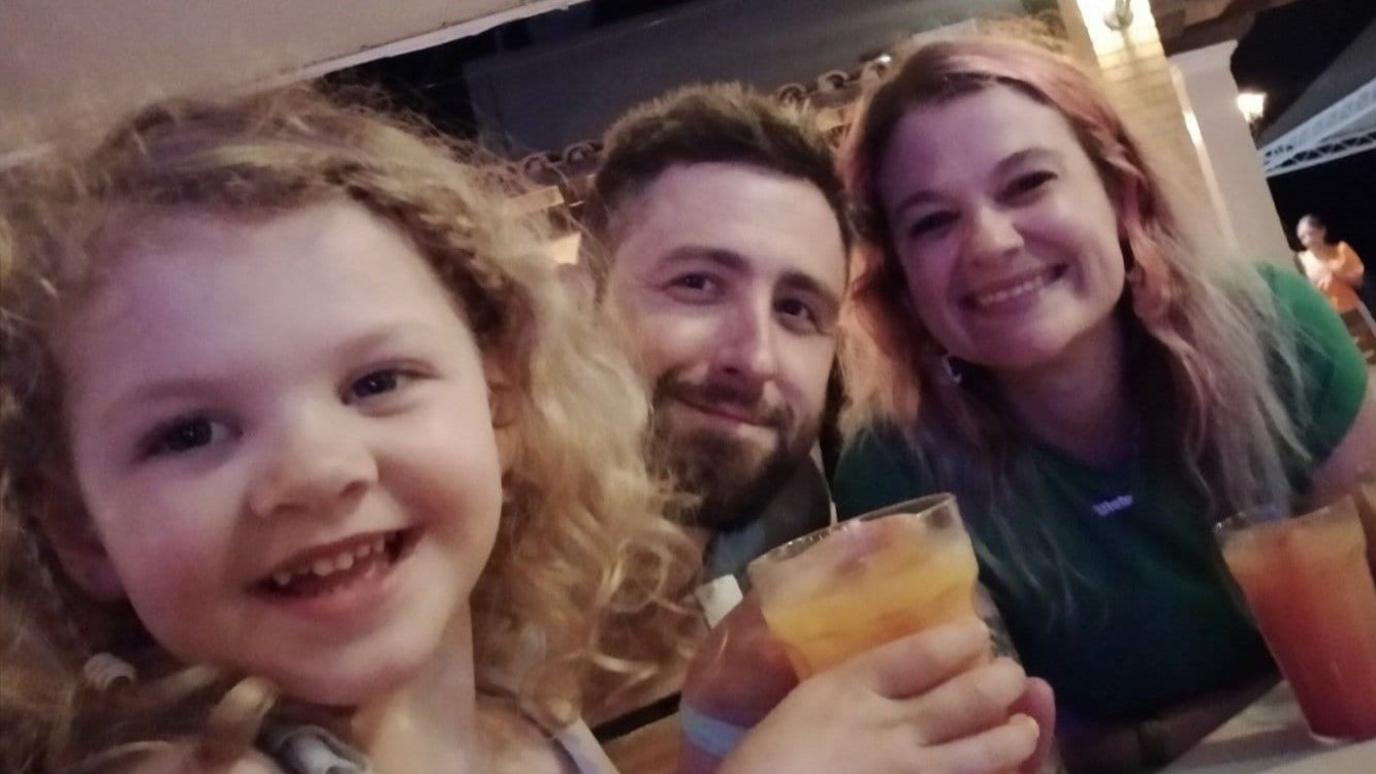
<point>1270,736</point>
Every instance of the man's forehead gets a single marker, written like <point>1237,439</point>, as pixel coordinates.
<point>772,221</point>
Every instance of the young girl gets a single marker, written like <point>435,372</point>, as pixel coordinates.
<point>1096,389</point>
<point>305,450</point>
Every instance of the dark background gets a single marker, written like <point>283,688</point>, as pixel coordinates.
<point>549,81</point>
<point>1285,51</point>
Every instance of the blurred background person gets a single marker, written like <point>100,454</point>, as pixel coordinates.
<point>1334,268</point>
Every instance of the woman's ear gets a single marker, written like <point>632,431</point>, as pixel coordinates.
<point>1128,205</point>
<point>79,549</point>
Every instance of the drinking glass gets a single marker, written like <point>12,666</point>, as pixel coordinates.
<point>1309,586</point>
<point>861,583</point>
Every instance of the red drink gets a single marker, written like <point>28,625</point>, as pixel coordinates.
<point>1309,585</point>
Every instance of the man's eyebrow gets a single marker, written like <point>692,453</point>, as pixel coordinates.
<point>798,281</point>
<point>727,259</point>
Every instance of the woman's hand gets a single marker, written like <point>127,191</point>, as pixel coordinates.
<point>925,702</point>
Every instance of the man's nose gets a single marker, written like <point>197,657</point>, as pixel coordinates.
<point>316,463</point>
<point>748,353</point>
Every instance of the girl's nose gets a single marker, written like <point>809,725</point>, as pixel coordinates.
<point>316,465</point>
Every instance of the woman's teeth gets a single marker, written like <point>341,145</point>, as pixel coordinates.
<point>1008,294</point>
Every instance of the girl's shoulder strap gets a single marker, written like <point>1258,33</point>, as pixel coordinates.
<point>582,750</point>
<point>307,749</point>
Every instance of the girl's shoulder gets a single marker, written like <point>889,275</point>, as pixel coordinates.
<point>516,745</point>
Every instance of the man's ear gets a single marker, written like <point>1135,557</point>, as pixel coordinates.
<point>80,550</point>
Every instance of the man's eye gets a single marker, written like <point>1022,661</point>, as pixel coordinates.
<point>184,435</point>
<point>699,282</point>
<point>795,308</point>
<point>374,383</point>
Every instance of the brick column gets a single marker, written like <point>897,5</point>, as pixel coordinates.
<point>1134,70</point>
<point>1226,147</point>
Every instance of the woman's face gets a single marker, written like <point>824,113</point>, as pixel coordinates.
<point>1006,234</point>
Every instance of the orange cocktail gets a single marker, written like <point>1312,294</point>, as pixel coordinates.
<point>862,583</point>
<point>1308,583</point>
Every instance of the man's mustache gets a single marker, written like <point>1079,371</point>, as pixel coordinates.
<point>725,396</point>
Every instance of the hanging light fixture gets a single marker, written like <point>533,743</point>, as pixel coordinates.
<point>1252,104</point>
<point>1119,16</point>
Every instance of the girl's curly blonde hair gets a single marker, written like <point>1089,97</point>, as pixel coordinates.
<point>580,598</point>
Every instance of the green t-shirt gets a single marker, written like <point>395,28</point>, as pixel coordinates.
<point>1145,617</point>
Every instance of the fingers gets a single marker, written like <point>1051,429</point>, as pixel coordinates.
<point>911,665</point>
<point>1001,748</point>
<point>968,703</point>
<point>1039,703</point>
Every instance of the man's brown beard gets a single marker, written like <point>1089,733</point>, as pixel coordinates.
<point>730,483</point>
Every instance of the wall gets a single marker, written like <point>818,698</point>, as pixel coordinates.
<point>62,61</point>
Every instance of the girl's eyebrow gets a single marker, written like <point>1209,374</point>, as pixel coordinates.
<point>155,392</point>
<point>374,339</point>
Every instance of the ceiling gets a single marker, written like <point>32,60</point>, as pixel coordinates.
<point>1185,25</point>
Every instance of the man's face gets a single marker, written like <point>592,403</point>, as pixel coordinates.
<point>727,279</point>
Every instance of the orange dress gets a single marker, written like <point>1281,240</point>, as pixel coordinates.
<point>1342,274</point>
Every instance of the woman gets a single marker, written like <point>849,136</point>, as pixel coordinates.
<point>1095,391</point>
<point>1335,269</point>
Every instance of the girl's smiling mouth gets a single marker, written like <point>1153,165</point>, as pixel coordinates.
<point>330,568</point>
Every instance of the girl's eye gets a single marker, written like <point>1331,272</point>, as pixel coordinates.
<point>374,383</point>
<point>184,435</point>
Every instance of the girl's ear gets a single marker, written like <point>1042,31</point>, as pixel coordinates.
<point>80,550</point>
<point>502,397</point>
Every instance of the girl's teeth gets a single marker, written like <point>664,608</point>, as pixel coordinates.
<point>326,566</point>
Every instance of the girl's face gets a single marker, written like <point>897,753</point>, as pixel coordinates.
<point>280,429</point>
<point>1006,234</point>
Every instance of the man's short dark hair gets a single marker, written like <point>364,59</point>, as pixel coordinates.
<point>715,123</point>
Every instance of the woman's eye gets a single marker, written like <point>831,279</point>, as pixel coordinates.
<point>375,383</point>
<point>1030,182</point>
<point>929,223</point>
<point>184,435</point>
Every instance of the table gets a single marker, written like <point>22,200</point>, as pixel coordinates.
<point>1270,736</point>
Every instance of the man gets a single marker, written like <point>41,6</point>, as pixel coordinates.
<point>724,222</point>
